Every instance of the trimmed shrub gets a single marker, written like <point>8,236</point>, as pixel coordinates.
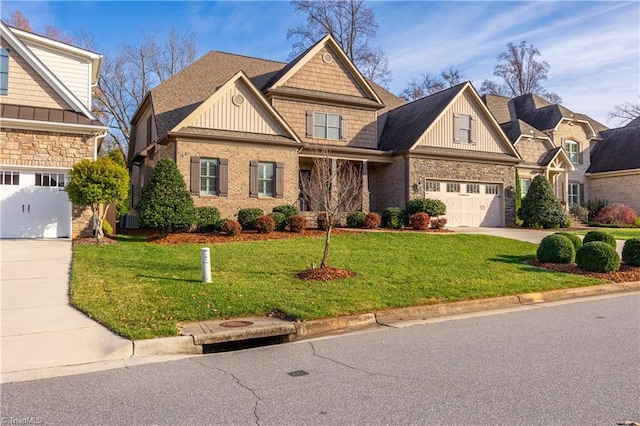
<point>287,210</point>
<point>598,256</point>
<point>372,220</point>
<point>636,222</point>
<point>106,228</point>
<point>419,221</point>
<point>556,249</point>
<point>540,207</point>
<point>426,205</point>
<point>616,214</point>
<point>438,223</point>
<point>231,227</point>
<point>247,217</point>
<point>280,220</point>
<point>580,212</point>
<point>577,242</point>
<point>297,223</point>
<point>208,219</point>
<point>594,207</point>
<point>631,251</point>
<point>600,236</point>
<point>393,218</point>
<point>265,224</point>
<point>356,219</point>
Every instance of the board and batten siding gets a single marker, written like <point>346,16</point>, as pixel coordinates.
<point>251,116</point>
<point>441,133</point>
<point>72,71</point>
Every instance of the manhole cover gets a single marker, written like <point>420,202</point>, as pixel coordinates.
<point>235,324</point>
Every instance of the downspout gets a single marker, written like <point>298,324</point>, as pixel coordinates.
<point>97,136</point>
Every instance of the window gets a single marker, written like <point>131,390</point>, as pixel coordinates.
<point>326,126</point>
<point>574,194</point>
<point>572,151</point>
<point>266,179</point>
<point>492,189</point>
<point>473,188</point>
<point>50,179</point>
<point>4,71</point>
<point>433,186</point>
<point>9,178</point>
<point>208,176</point>
<point>453,187</point>
<point>464,128</point>
<point>524,186</point>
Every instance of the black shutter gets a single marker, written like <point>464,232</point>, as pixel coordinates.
<point>279,180</point>
<point>253,179</point>
<point>581,194</point>
<point>195,176</point>
<point>223,178</point>
<point>580,158</point>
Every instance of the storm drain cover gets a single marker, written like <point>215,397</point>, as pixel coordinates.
<point>236,324</point>
<point>297,373</point>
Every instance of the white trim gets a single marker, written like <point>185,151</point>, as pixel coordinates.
<point>18,167</point>
<point>50,126</point>
<point>615,173</point>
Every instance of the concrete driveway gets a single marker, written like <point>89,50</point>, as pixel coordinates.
<point>40,329</point>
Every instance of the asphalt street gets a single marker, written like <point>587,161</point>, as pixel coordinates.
<point>560,364</point>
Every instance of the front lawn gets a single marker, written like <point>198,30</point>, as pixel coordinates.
<point>618,233</point>
<point>142,290</point>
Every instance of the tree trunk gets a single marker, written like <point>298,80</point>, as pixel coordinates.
<point>97,220</point>
<point>327,242</point>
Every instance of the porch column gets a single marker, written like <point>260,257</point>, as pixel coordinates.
<point>365,187</point>
<point>566,190</point>
<point>334,179</point>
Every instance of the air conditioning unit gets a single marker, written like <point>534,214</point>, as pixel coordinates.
<point>131,221</point>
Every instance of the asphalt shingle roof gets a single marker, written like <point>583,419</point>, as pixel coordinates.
<point>618,150</point>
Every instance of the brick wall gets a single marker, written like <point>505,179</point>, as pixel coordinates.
<point>617,189</point>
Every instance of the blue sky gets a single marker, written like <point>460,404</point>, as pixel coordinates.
<point>593,47</point>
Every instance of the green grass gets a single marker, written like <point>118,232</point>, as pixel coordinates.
<point>142,290</point>
<point>618,233</point>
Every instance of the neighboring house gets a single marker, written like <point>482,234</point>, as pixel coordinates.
<point>552,140</point>
<point>243,130</point>
<point>614,173</point>
<point>46,126</point>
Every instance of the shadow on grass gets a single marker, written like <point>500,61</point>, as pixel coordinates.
<point>161,278</point>
<point>513,259</point>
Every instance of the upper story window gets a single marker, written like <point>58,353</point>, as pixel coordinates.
<point>209,176</point>
<point>572,151</point>
<point>4,71</point>
<point>464,128</point>
<point>326,126</point>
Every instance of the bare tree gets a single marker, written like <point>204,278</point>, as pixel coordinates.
<point>333,190</point>
<point>428,84</point>
<point>521,73</point>
<point>17,20</point>
<point>352,23</point>
<point>624,113</point>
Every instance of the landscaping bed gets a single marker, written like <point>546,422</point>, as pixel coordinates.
<point>625,274</point>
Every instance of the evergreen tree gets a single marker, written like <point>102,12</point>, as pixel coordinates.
<point>540,207</point>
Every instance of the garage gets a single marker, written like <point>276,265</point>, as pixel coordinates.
<point>469,203</point>
<point>33,204</point>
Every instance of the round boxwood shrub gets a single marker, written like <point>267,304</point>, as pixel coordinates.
<point>372,220</point>
<point>297,223</point>
<point>429,206</point>
<point>280,219</point>
<point>356,219</point>
<point>631,251</point>
<point>393,217</point>
<point>556,249</point>
<point>287,210</point>
<point>605,237</point>
<point>420,221</point>
<point>207,219</point>
<point>598,256</point>
<point>264,224</point>
<point>231,227</point>
<point>247,217</point>
<point>577,241</point>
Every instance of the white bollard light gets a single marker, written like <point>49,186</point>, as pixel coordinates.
<point>205,260</point>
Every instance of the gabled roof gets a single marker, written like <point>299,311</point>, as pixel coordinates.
<point>552,155</point>
<point>16,44</point>
<point>634,122</point>
<point>618,150</point>
<point>517,129</point>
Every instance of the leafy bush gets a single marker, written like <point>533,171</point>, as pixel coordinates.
<point>600,236</point>
<point>393,217</point>
<point>540,207</point>
<point>247,217</point>
<point>577,242</point>
<point>616,214</point>
<point>287,210</point>
<point>419,221</point>
<point>280,220</point>
<point>631,251</point>
<point>231,227</point>
<point>264,224</point>
<point>106,228</point>
<point>372,220</point>
<point>438,223</point>
<point>594,207</point>
<point>165,203</point>
<point>297,223</point>
<point>356,219</point>
<point>208,219</point>
<point>580,212</point>
<point>426,205</point>
<point>636,222</point>
<point>598,256</point>
<point>556,249</point>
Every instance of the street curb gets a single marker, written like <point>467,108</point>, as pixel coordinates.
<point>178,345</point>
<point>331,326</point>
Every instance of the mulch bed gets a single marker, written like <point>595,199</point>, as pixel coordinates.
<point>86,241</point>
<point>625,274</point>
<point>328,273</point>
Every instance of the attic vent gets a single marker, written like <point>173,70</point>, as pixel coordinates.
<point>327,58</point>
<point>237,100</point>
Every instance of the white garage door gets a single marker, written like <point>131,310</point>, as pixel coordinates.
<point>469,204</point>
<point>33,204</point>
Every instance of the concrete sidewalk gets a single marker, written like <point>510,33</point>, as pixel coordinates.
<point>39,328</point>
